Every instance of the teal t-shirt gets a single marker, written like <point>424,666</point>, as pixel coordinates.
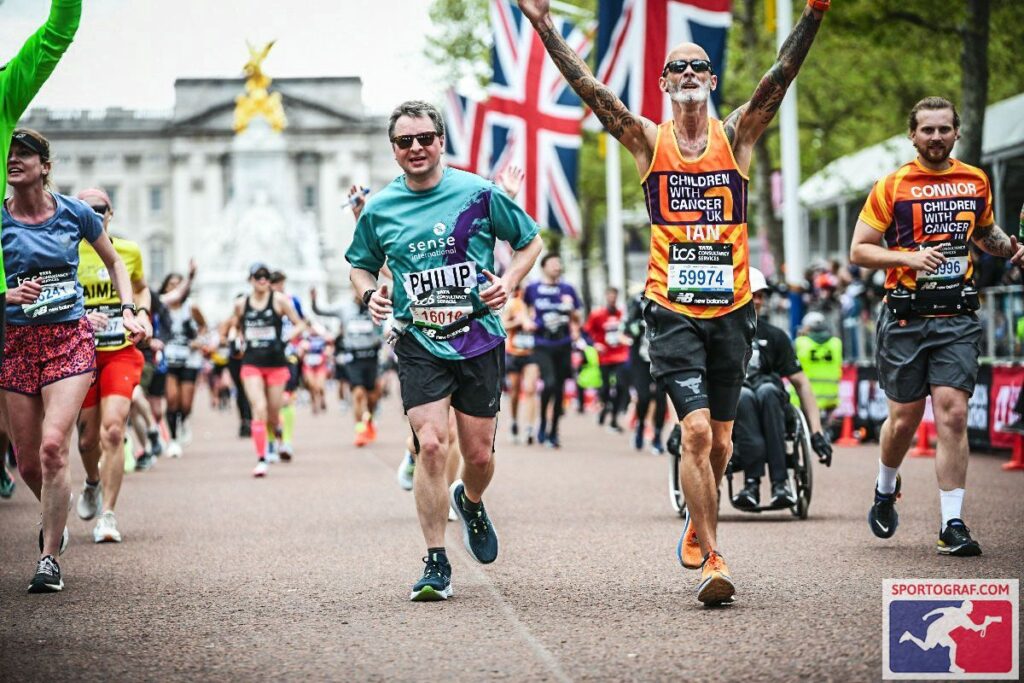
<point>436,243</point>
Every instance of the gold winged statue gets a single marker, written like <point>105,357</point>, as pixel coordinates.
<point>257,101</point>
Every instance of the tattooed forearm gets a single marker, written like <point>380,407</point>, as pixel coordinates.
<point>992,240</point>
<point>772,89</point>
<point>732,121</point>
<point>608,108</point>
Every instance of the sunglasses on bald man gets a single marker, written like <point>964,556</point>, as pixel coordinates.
<point>678,66</point>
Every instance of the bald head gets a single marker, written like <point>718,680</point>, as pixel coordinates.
<point>687,51</point>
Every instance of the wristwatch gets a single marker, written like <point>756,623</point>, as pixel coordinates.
<point>129,307</point>
<point>366,296</point>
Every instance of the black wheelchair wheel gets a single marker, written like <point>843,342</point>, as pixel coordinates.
<point>675,491</point>
<point>803,469</point>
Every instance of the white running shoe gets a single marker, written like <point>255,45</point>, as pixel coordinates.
<point>272,452</point>
<point>261,469</point>
<point>106,529</point>
<point>174,449</point>
<point>185,428</point>
<point>406,469</point>
<point>90,501</point>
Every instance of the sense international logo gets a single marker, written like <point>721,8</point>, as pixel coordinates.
<point>953,629</point>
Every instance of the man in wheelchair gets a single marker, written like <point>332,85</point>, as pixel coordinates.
<point>759,433</point>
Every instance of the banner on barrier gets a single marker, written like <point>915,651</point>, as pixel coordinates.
<point>1006,385</point>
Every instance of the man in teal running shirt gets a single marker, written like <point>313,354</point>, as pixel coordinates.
<point>436,228</point>
<point>20,80</point>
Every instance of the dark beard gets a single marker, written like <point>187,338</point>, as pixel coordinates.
<point>929,153</point>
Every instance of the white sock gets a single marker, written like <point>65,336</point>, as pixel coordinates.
<point>886,478</point>
<point>951,502</point>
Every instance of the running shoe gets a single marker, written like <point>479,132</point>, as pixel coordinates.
<point>515,433</point>
<point>174,449</point>
<point>882,517</point>
<point>156,448</point>
<point>638,438</point>
<point>615,428</point>
<point>657,447</point>
<point>529,436</point>
<point>749,497</point>
<point>273,455</point>
<point>406,469</point>
<point>90,501</point>
<point>716,585</point>
<point>362,435</point>
<point>261,469</point>
<point>553,442</point>
<point>782,496</point>
<point>186,431</point>
<point>436,582</point>
<point>244,430</point>
<point>371,430</point>
<point>956,540</point>
<point>7,484</point>
<point>47,578</point>
<point>145,461</point>
<point>477,530</point>
<point>688,548</point>
<point>286,452</point>
<point>542,434</point>
<point>106,529</point>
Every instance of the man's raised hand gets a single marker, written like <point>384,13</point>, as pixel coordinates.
<point>535,9</point>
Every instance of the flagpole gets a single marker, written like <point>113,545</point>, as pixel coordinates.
<point>614,247</point>
<point>794,243</point>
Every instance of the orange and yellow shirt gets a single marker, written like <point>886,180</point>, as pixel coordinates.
<point>700,259</point>
<point>917,208</point>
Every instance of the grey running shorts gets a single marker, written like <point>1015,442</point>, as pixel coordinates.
<point>926,352</point>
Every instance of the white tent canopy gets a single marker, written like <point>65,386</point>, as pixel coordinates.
<point>854,174</point>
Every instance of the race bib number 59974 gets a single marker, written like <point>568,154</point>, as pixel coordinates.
<point>700,274</point>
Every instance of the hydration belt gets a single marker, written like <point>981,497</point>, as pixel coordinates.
<point>959,299</point>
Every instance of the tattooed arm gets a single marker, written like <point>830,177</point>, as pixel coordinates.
<point>748,122</point>
<point>992,240</point>
<point>636,133</point>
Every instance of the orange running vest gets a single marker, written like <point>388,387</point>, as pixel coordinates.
<point>700,258</point>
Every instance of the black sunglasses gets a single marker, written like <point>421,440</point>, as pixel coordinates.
<point>405,141</point>
<point>101,210</point>
<point>261,275</point>
<point>678,66</point>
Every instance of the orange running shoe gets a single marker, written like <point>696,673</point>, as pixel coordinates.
<point>715,584</point>
<point>362,435</point>
<point>688,549</point>
<point>371,430</point>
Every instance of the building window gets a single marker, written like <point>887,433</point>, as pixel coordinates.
<point>156,199</point>
<point>157,267</point>
<point>309,197</point>
<point>111,191</point>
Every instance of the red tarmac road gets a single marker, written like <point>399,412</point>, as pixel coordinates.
<point>306,574</point>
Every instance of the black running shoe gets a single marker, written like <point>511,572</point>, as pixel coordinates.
<point>436,582</point>
<point>956,539</point>
<point>882,517</point>
<point>749,496</point>
<point>477,531</point>
<point>144,462</point>
<point>782,496</point>
<point>47,578</point>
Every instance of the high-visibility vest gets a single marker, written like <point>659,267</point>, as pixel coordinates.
<point>589,376</point>
<point>823,365</point>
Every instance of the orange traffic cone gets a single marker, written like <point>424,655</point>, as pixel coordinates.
<point>846,438</point>
<point>923,448</point>
<point>1017,459</point>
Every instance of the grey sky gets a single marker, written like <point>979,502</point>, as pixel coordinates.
<point>128,52</point>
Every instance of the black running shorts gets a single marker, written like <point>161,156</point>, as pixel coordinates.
<point>926,352</point>
<point>474,384</point>
<point>518,363</point>
<point>362,372</point>
<point>701,362</point>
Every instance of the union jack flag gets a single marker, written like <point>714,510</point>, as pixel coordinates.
<point>531,119</point>
<point>634,36</point>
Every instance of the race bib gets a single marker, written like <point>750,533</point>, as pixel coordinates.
<point>176,354</point>
<point>440,299</point>
<point>59,293</point>
<point>524,341</point>
<point>314,359</point>
<point>955,265</point>
<point>113,334</point>
<point>260,333</point>
<point>700,274</point>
